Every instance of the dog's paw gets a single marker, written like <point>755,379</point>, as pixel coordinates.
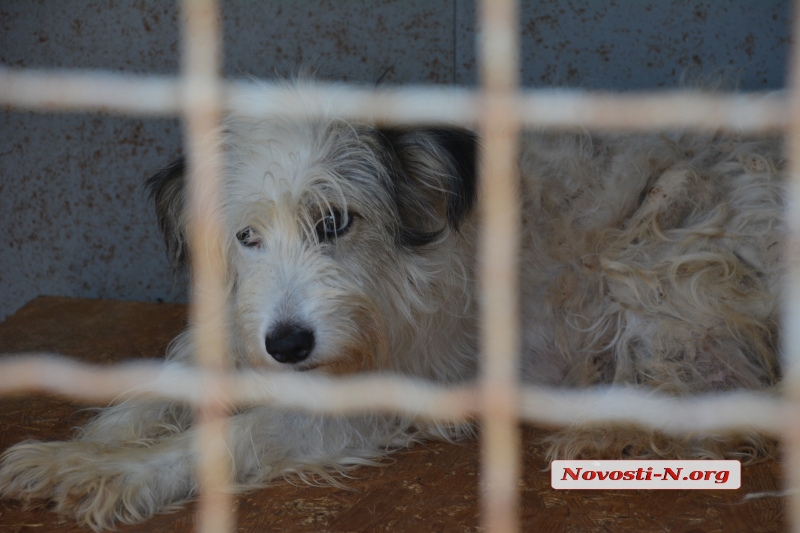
<point>98,486</point>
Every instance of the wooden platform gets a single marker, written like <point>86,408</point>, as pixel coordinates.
<point>430,487</point>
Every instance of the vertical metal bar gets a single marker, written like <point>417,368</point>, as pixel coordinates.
<point>202,112</point>
<point>499,259</point>
<point>791,318</point>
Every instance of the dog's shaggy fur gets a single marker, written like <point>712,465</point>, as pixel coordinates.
<point>650,260</point>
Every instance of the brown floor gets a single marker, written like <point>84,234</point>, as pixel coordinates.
<point>430,487</point>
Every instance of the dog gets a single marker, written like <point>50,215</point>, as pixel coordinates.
<point>650,260</point>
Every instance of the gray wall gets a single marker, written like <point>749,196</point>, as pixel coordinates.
<point>73,217</point>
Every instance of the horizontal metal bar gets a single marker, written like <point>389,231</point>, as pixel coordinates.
<point>51,373</point>
<point>711,412</point>
<point>655,110</point>
<point>536,108</point>
<point>160,95</point>
<point>132,94</point>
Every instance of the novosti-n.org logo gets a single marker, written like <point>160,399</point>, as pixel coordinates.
<point>653,475</point>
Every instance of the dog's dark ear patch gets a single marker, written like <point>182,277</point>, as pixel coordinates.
<point>462,146</point>
<point>167,188</point>
<point>436,176</point>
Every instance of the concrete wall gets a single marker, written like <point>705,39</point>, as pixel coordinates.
<point>73,218</point>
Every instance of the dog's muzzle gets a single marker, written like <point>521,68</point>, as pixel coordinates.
<point>290,343</point>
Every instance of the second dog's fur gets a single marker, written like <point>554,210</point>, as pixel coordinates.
<point>648,260</point>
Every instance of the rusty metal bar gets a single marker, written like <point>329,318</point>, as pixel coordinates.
<point>109,92</point>
<point>201,93</point>
<point>500,438</point>
<point>791,318</point>
<point>53,374</point>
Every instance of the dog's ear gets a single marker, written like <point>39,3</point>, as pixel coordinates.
<point>435,179</point>
<point>168,189</point>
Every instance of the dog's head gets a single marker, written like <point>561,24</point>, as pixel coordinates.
<point>343,239</point>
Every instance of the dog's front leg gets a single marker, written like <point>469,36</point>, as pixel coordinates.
<point>136,459</point>
<point>131,461</point>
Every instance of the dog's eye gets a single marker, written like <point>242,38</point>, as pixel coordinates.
<point>333,224</point>
<point>247,237</point>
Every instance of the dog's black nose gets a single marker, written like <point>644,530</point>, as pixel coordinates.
<point>289,343</point>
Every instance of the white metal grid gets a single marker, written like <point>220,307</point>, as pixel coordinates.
<point>500,109</point>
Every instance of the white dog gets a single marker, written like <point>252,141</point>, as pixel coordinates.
<point>649,260</point>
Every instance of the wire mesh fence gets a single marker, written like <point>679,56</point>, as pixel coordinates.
<point>500,109</point>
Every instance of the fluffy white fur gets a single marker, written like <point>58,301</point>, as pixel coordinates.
<point>649,260</point>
